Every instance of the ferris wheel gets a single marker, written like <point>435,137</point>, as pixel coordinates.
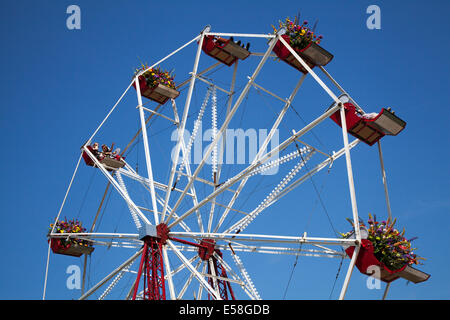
<point>190,233</point>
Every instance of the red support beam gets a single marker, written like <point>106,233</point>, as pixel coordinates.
<point>152,267</point>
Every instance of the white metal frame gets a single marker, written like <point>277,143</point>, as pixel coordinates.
<point>231,240</point>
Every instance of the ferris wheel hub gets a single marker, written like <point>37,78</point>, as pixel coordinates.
<point>206,249</point>
<point>162,232</point>
<point>147,230</point>
<point>159,232</point>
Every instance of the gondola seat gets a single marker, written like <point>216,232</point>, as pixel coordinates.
<point>369,129</point>
<point>224,50</point>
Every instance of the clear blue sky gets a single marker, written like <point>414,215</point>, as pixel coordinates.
<point>58,84</point>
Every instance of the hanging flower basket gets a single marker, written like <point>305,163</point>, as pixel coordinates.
<point>224,50</point>
<point>366,260</point>
<point>69,246</point>
<point>305,43</point>
<point>284,54</point>
<point>386,250</point>
<point>157,85</point>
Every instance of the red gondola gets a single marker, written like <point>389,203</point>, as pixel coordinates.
<point>313,55</point>
<point>109,163</point>
<point>159,94</point>
<point>72,248</point>
<point>224,50</point>
<point>366,260</point>
<point>369,129</point>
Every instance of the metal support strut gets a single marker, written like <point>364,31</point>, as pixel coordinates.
<point>223,286</point>
<point>152,268</point>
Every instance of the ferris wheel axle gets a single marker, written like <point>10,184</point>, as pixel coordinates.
<point>152,264</point>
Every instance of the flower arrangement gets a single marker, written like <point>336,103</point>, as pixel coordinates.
<point>390,246</point>
<point>300,36</point>
<point>156,75</point>
<point>69,226</point>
